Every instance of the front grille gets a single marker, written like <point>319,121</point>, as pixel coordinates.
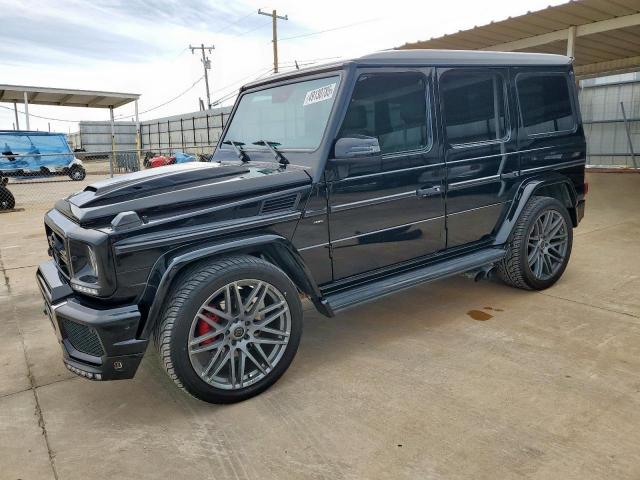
<point>58,250</point>
<point>83,338</point>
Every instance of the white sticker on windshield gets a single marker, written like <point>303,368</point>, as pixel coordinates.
<point>319,94</point>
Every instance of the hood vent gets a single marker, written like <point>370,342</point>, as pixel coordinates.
<point>279,204</point>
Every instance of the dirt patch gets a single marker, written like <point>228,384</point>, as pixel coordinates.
<point>479,315</point>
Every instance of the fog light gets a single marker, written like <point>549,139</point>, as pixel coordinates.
<point>83,289</point>
<point>83,373</point>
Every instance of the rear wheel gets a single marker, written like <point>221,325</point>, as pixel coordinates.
<point>77,173</point>
<point>539,247</point>
<point>230,329</point>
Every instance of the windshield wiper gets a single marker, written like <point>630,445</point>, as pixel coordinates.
<point>237,147</point>
<point>273,146</point>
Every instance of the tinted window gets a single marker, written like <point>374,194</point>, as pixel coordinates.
<point>390,107</point>
<point>545,103</point>
<point>474,106</point>
<point>291,116</point>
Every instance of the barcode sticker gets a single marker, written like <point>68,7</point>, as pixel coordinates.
<point>319,94</point>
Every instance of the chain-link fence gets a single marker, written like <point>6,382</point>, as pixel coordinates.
<point>37,180</point>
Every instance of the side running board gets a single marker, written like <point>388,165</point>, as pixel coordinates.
<point>391,284</point>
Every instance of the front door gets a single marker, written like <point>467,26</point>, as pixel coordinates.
<point>388,207</point>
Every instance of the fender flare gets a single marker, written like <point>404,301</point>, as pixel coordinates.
<point>275,248</point>
<point>525,191</point>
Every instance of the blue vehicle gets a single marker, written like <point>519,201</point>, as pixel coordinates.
<point>27,154</point>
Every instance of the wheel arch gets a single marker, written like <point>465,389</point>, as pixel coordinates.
<point>553,185</point>
<point>273,248</point>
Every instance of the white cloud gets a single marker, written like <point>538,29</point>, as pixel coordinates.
<point>139,45</point>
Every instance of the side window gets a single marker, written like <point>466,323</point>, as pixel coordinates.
<point>391,107</point>
<point>545,103</point>
<point>474,106</point>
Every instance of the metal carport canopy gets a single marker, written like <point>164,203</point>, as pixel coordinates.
<point>603,36</point>
<point>63,97</point>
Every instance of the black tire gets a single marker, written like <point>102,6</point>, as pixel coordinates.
<point>515,269</point>
<point>188,294</point>
<point>7,200</point>
<point>77,173</point>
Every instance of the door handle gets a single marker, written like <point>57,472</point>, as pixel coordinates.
<point>428,192</point>
<point>509,175</point>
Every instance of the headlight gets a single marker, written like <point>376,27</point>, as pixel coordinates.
<point>84,268</point>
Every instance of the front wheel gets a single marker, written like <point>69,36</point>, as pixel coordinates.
<point>230,329</point>
<point>539,247</point>
<point>77,173</point>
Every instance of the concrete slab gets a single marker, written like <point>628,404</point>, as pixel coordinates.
<point>23,451</point>
<point>450,380</point>
<point>14,374</point>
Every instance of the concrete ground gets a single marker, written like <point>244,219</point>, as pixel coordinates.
<point>449,380</point>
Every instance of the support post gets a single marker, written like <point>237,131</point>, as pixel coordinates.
<point>274,27</point>
<point>206,63</point>
<point>26,109</point>
<point>138,135</point>
<point>113,142</point>
<point>571,41</point>
<point>628,130</point>
<point>15,111</point>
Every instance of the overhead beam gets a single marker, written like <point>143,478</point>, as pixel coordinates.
<point>580,31</point>
<point>64,99</point>
<point>613,66</point>
<point>95,101</point>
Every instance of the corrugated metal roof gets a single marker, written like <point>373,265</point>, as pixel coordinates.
<point>64,97</point>
<point>607,35</point>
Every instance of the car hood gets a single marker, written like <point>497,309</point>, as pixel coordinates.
<point>165,189</point>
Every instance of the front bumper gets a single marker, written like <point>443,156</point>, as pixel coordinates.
<point>99,344</point>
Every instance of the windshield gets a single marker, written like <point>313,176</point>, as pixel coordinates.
<point>291,116</point>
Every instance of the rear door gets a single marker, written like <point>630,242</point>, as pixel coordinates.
<point>481,155</point>
<point>550,136</point>
<point>387,208</point>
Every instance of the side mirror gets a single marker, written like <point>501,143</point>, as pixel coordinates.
<point>356,146</point>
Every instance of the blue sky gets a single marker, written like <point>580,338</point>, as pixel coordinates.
<point>139,46</point>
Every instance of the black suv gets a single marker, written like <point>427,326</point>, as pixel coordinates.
<point>341,183</point>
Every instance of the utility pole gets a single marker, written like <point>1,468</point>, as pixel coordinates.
<point>274,15</point>
<point>206,63</point>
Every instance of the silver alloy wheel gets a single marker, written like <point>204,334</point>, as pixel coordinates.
<point>547,244</point>
<point>239,334</point>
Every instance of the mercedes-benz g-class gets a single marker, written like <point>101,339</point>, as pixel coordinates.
<point>340,183</point>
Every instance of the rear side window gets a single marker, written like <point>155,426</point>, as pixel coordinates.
<point>474,106</point>
<point>391,107</point>
<point>545,103</point>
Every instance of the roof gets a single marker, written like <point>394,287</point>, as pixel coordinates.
<point>424,57</point>
<point>64,97</point>
<point>461,57</point>
<point>606,35</point>
<point>28,132</point>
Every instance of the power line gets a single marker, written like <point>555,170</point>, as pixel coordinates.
<point>231,24</point>
<point>41,117</point>
<point>168,101</point>
<point>330,29</point>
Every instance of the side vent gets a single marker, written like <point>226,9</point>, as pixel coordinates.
<point>280,204</point>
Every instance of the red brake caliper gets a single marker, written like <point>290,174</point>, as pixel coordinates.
<point>203,327</point>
